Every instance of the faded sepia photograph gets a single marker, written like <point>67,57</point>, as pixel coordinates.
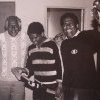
<point>49,49</point>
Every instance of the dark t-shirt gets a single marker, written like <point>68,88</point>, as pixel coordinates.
<point>79,66</point>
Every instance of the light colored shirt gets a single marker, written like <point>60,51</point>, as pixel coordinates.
<point>77,33</point>
<point>12,54</point>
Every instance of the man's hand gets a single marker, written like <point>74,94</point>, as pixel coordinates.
<point>19,72</point>
<point>59,92</point>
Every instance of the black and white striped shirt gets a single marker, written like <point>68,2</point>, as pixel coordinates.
<point>44,63</point>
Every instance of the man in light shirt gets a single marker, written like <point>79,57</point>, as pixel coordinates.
<point>12,51</point>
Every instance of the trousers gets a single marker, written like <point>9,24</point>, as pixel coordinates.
<point>81,94</point>
<point>12,90</point>
<point>41,94</point>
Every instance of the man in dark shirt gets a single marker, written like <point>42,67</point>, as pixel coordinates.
<point>79,79</point>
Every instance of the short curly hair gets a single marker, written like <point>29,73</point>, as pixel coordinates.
<point>69,15</point>
<point>15,18</point>
<point>35,28</point>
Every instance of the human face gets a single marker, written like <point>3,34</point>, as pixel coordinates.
<point>13,28</point>
<point>35,38</point>
<point>96,4</point>
<point>69,27</point>
<point>96,10</point>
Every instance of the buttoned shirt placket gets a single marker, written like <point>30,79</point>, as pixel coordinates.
<point>4,56</point>
<point>13,52</point>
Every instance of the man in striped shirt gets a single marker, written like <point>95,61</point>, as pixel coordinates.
<point>44,63</point>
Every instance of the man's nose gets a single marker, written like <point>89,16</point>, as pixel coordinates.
<point>66,26</point>
<point>34,39</point>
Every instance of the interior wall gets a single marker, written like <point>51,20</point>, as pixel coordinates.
<point>6,9</point>
<point>36,10</point>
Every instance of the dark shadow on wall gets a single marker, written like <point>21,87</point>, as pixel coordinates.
<point>6,9</point>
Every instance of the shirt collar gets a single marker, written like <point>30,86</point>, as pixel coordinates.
<point>75,34</point>
<point>9,36</point>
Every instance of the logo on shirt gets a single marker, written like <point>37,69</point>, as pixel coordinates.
<point>74,51</point>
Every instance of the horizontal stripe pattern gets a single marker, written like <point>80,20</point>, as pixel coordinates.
<point>44,64</point>
<point>50,91</point>
<point>40,61</point>
<point>47,83</point>
<point>42,49</point>
<point>45,73</point>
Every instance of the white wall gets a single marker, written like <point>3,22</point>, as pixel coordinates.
<point>36,10</point>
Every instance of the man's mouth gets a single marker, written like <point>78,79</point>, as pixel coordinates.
<point>69,30</point>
